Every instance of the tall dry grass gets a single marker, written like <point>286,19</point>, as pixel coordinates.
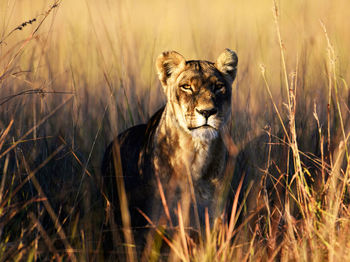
<point>75,73</point>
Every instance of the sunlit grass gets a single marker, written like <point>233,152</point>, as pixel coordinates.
<point>74,75</point>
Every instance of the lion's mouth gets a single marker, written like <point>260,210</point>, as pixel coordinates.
<point>205,126</point>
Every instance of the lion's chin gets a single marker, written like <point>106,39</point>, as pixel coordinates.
<point>204,132</point>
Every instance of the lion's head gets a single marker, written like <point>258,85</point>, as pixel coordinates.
<point>199,92</point>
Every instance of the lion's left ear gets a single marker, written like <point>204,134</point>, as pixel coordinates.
<point>227,63</point>
<point>167,63</point>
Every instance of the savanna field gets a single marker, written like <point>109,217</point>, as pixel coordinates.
<point>73,74</point>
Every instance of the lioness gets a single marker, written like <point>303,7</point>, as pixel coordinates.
<point>180,149</point>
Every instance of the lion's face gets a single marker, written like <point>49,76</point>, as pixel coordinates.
<point>199,92</point>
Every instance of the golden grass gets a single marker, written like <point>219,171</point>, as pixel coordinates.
<point>74,74</point>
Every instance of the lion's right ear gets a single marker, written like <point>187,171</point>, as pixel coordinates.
<point>167,63</point>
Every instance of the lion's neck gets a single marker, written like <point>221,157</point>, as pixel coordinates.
<point>177,152</point>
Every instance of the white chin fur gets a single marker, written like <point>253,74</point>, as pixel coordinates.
<point>205,133</point>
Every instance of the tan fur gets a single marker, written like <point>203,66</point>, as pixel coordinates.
<point>196,150</point>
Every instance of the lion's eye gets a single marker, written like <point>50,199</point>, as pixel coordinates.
<point>186,87</point>
<point>219,87</point>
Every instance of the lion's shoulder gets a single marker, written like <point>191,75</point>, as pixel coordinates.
<point>129,143</point>
<point>134,144</point>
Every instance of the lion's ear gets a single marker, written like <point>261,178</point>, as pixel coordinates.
<point>167,63</point>
<point>227,63</point>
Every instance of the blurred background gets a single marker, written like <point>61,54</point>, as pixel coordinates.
<point>103,53</point>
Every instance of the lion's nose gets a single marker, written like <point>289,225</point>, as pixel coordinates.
<point>207,112</point>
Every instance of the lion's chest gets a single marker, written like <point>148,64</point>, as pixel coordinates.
<point>179,156</point>
<point>183,161</point>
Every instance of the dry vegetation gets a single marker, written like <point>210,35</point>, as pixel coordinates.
<point>75,73</point>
